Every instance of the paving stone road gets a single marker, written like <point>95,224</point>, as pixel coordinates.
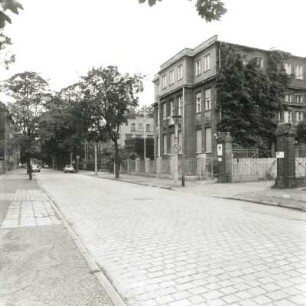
<point>161,247</point>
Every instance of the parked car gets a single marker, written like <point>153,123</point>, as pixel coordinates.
<point>69,168</point>
<point>35,168</point>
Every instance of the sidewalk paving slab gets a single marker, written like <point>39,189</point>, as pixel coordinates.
<point>40,263</point>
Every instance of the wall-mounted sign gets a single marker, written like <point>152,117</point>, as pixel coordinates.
<point>280,154</point>
<point>219,159</point>
<point>176,148</point>
<point>219,149</point>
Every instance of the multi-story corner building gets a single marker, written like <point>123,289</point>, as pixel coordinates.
<point>186,86</point>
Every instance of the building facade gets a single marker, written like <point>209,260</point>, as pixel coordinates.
<point>137,126</point>
<point>185,87</point>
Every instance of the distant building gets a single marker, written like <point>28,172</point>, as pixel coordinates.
<point>190,77</point>
<point>137,126</point>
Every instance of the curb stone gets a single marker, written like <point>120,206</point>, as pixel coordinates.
<point>94,267</point>
<point>251,200</point>
<point>263,202</point>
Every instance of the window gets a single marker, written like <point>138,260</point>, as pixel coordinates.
<point>206,62</point>
<point>171,108</point>
<point>199,141</point>
<point>164,111</point>
<point>208,140</point>
<point>165,143</point>
<point>299,98</point>
<point>299,116</point>
<point>287,116</point>
<point>208,99</point>
<point>198,67</point>
<point>148,128</point>
<point>180,72</point>
<point>179,102</point>
<point>288,98</point>
<point>171,77</point>
<point>171,121</point>
<point>156,88</point>
<point>244,59</point>
<point>279,116</point>
<point>299,72</point>
<point>164,81</point>
<point>259,62</point>
<point>198,102</point>
<point>133,127</point>
<point>140,126</point>
<point>288,68</point>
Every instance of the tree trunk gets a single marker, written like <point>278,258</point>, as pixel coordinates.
<point>29,168</point>
<point>117,161</point>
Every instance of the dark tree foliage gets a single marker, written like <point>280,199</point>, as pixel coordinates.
<point>110,95</point>
<point>301,132</point>
<point>8,6</point>
<point>250,97</point>
<point>208,9</point>
<point>63,125</point>
<point>30,92</point>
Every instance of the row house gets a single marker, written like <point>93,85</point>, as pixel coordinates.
<point>185,87</point>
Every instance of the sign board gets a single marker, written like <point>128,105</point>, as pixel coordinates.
<point>280,154</point>
<point>219,149</point>
<point>176,148</point>
<point>219,159</point>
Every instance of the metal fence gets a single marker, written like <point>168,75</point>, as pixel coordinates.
<point>253,169</point>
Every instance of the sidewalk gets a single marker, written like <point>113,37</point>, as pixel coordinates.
<point>41,263</point>
<point>261,192</point>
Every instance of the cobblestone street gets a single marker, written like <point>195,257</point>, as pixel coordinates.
<point>161,247</point>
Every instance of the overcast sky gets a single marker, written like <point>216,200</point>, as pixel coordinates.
<point>63,39</point>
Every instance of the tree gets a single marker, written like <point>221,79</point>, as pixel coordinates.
<point>208,9</point>
<point>6,57</point>
<point>301,131</point>
<point>63,125</point>
<point>109,95</point>
<point>30,92</point>
<point>249,97</point>
<point>8,5</point>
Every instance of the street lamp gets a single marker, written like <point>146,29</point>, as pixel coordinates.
<point>176,147</point>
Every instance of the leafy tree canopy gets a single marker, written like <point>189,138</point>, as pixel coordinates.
<point>301,131</point>
<point>30,92</point>
<point>6,6</point>
<point>6,56</point>
<point>209,10</point>
<point>110,95</point>
<point>250,97</point>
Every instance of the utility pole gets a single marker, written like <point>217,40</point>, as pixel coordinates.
<point>183,138</point>
<point>144,138</point>
<point>96,158</point>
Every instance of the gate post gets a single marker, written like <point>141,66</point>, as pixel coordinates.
<point>285,154</point>
<point>224,155</point>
